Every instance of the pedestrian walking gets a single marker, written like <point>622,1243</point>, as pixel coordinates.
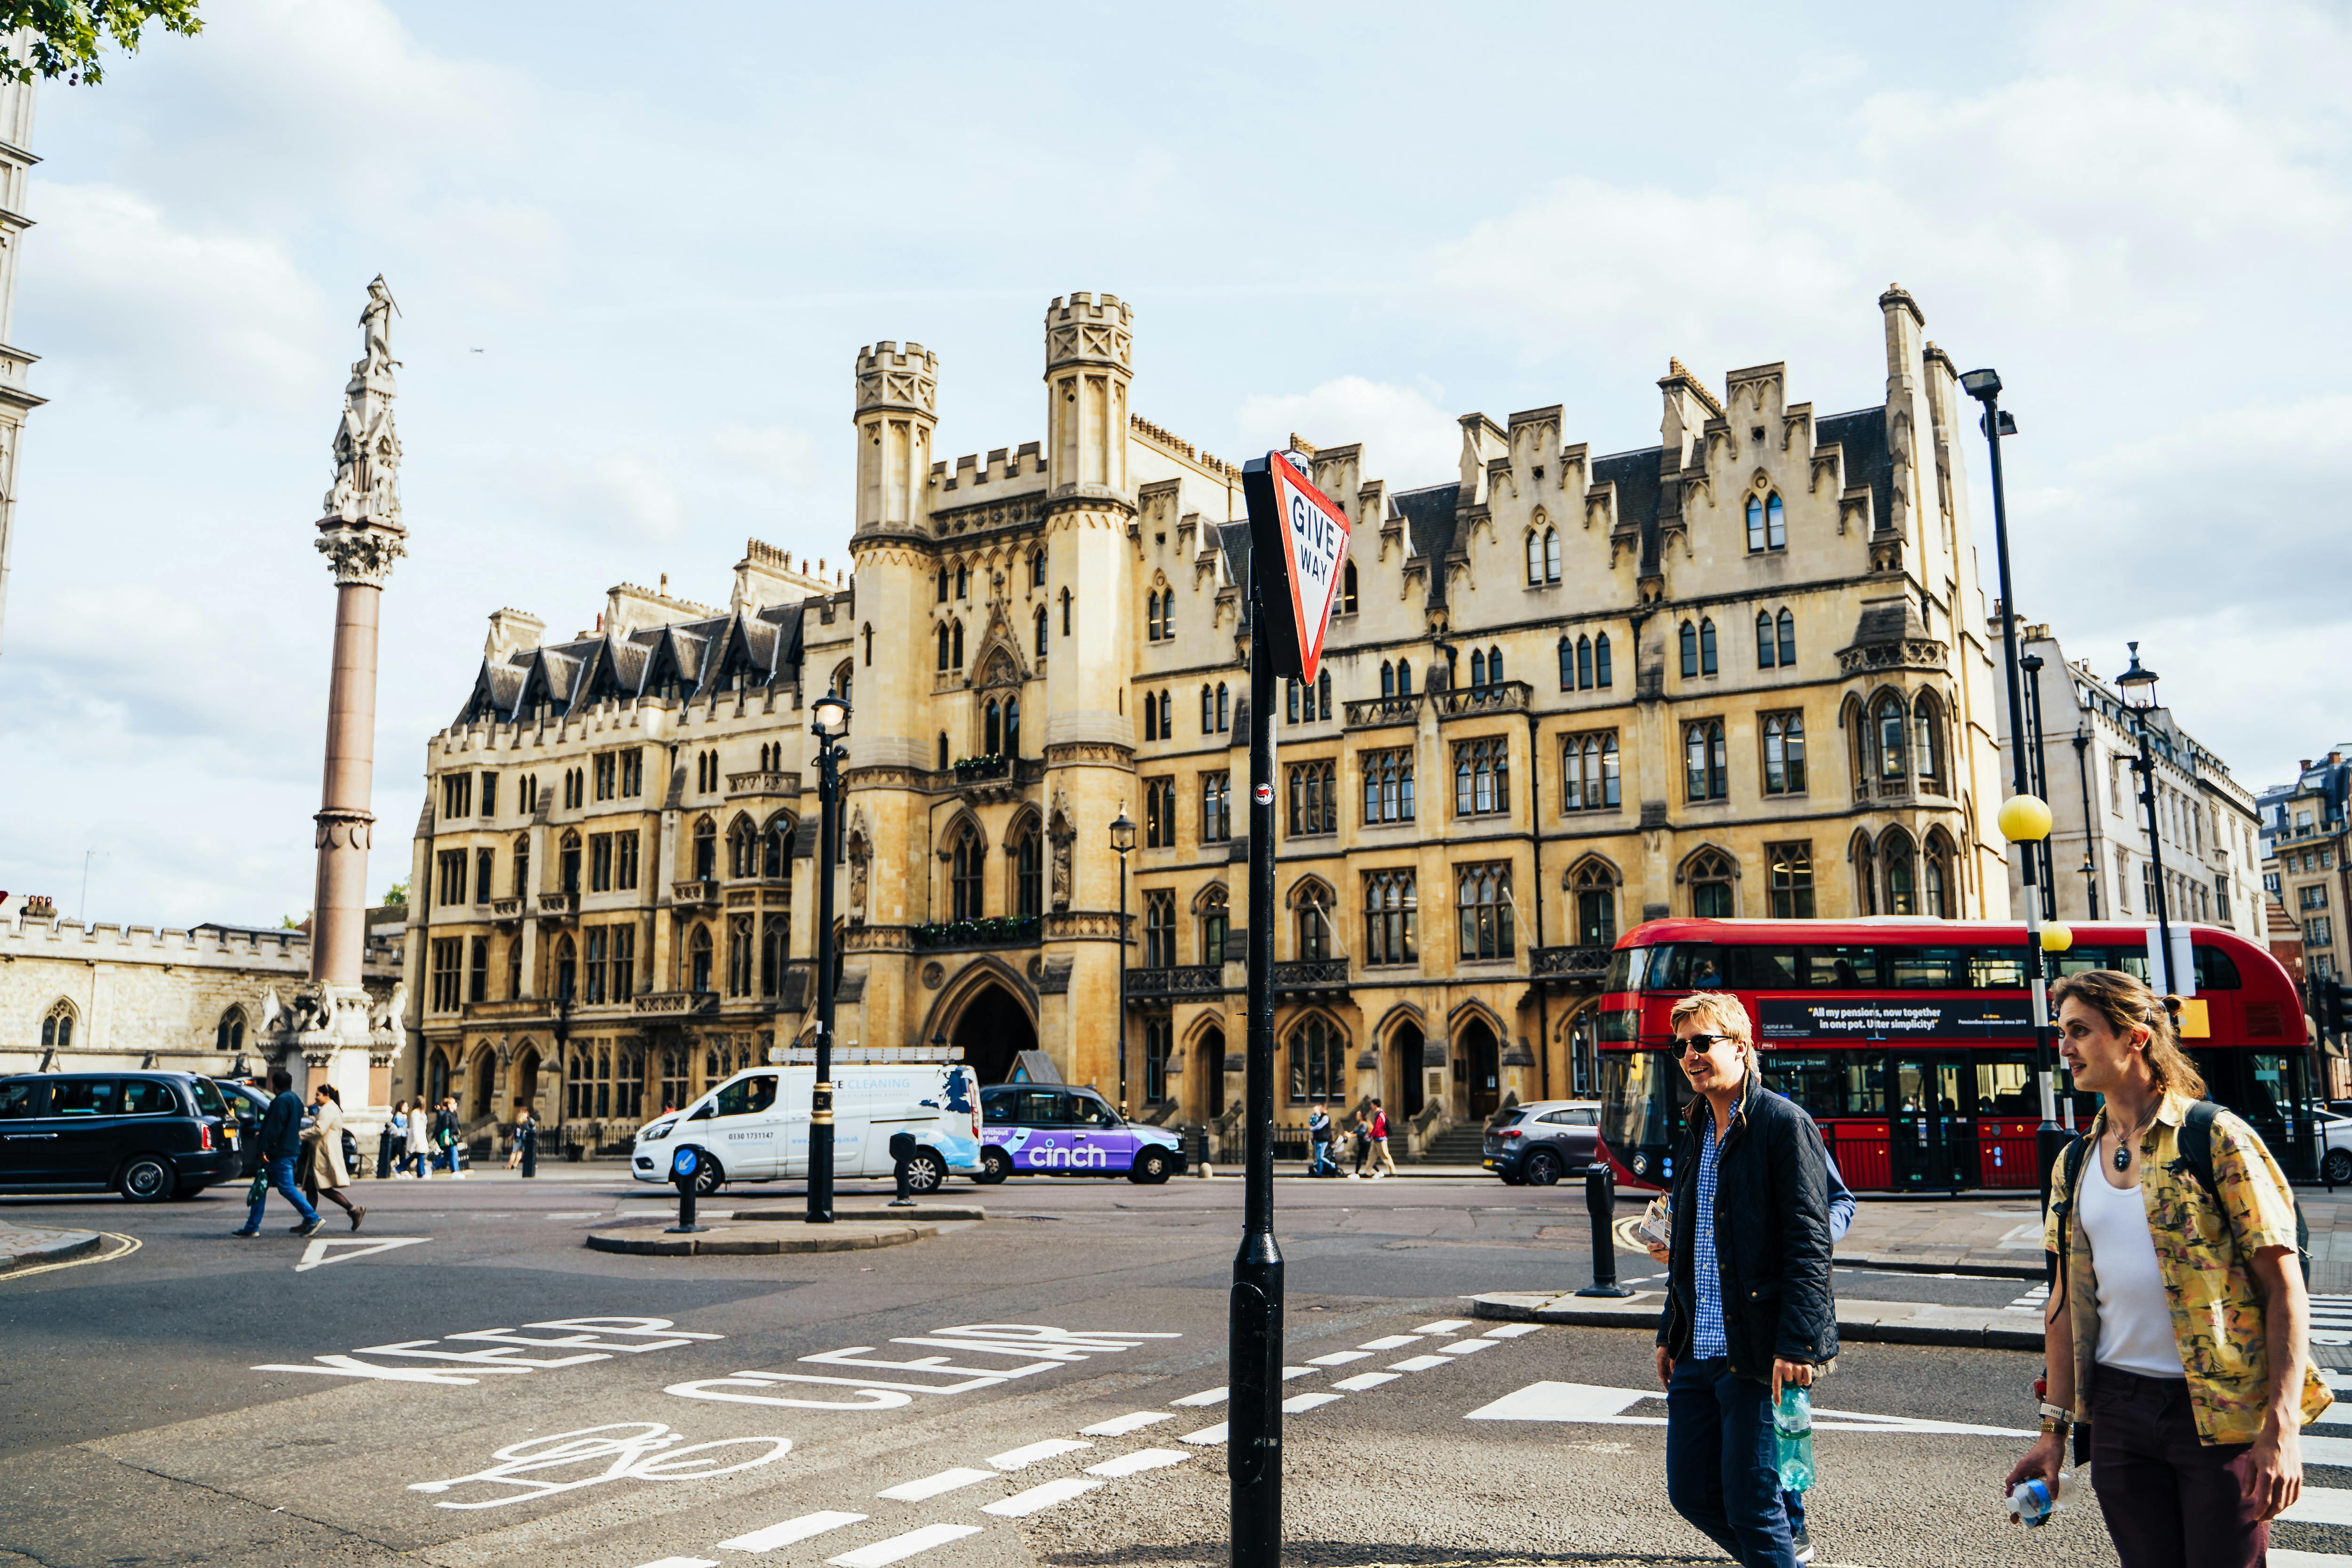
<point>445,1134</point>
<point>1749,1305</point>
<point>281,1140</point>
<point>526,1141</point>
<point>1318,1138</point>
<point>2179,1326</point>
<point>1359,1134</point>
<point>1381,1164</point>
<point>329,1174</point>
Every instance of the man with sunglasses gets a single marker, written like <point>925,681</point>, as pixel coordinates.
<point>1749,1308</point>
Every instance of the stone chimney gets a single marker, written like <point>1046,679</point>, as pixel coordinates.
<point>511,631</point>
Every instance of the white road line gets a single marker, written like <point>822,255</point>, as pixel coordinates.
<point>1290,1372</point>
<point>932,1486</point>
<point>1298,1402</point>
<point>1388,1342</point>
<point>791,1530</point>
<point>1205,1436</point>
<point>1364,1380</point>
<point>1465,1347</point>
<point>1205,1397</point>
<point>900,1547</point>
<point>1511,1330</point>
<point>1022,1458</point>
<point>1121,1426</point>
<point>2321,1505</point>
<point>1443,1326</point>
<point>1135,1463</point>
<point>681,1562</point>
<point>1341,1358</point>
<point>2282,1559</point>
<point>1021,1504</point>
<point>1420,1363</point>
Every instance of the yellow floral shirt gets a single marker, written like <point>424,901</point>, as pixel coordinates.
<point>2204,1242</point>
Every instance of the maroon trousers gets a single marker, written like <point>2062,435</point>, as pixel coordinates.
<point>2170,1502</point>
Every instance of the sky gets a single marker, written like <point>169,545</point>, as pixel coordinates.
<point>634,265</point>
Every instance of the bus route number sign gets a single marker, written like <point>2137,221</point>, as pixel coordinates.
<point>1298,548</point>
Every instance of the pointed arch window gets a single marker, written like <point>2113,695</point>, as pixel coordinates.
<point>1705,645</point>
<point>1927,730</point>
<point>1483,899</point>
<point>1767,646</point>
<point>1312,934</point>
<point>1208,709</point>
<point>1688,639</point>
<point>774,848</point>
<point>1792,880</point>
<point>943,585</point>
<point>1224,709</point>
<point>1935,883</point>
<point>1348,589</point>
<point>1593,892</point>
<point>1493,665</point>
<point>1040,620</point>
<point>963,582</point>
<point>1216,924</point>
<point>1551,555</point>
<point>743,849</point>
<point>1151,616</point>
<point>1066,612</point>
<point>1600,677</point>
<point>943,646</point>
<point>57,1026</point>
<point>1902,875</point>
<point>1888,721</point>
<point>569,851</point>
<point>967,864</point>
<point>1706,774</point>
<point>1318,1062</point>
<point>1036,569</point>
<point>1167,614</point>
<point>943,750</point>
<point>567,970</point>
<point>1865,875</point>
<point>1711,885</point>
<point>1323,694</point>
<point>522,865</point>
<point>228,1034</point>
<point>1028,871</point>
<point>705,853</point>
<point>1388,679</point>
<point>1404,679</point>
<point>1768,526</point>
<point>1784,754</point>
<point>1787,628</point>
<point>955,640</point>
<point>1478,669</point>
<point>1568,662</point>
<point>1584,662</point>
<point>991,730</point>
<point>1013,727</point>
<point>698,960</point>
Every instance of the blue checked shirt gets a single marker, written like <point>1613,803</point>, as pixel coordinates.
<point>1707,1334</point>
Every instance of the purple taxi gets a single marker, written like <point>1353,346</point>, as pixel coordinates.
<point>1056,1129</point>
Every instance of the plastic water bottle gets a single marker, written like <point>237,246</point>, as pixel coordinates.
<point>1792,1426</point>
<point>2033,1501</point>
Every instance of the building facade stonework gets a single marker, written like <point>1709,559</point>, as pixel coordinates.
<point>1739,673</point>
<point>16,399</point>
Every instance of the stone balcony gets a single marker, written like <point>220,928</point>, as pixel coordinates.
<point>1580,967</point>
<point>558,906</point>
<point>956,936</point>
<point>1312,977</point>
<point>673,1003</point>
<point>1495,697</point>
<point>1186,980</point>
<point>702,893</point>
<point>740,787</point>
<point>1377,712</point>
<point>507,909</point>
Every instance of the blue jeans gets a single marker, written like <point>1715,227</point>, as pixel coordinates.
<point>1321,1164</point>
<point>1721,1470</point>
<point>281,1176</point>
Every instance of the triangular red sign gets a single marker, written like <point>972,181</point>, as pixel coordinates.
<point>1299,548</point>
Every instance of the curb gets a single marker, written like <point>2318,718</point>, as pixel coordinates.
<point>31,1248</point>
<point>941,1214</point>
<point>1861,1322</point>
<point>726,1240</point>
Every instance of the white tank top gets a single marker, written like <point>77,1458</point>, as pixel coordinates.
<point>2135,1318</point>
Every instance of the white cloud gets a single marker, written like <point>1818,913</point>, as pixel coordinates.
<point>772,451</point>
<point>1406,436</point>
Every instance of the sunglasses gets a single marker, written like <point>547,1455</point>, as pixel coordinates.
<point>1702,1044</point>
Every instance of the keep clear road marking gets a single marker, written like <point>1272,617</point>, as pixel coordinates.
<point>323,1251</point>
<point>1138,1462</point>
<point>682,1563</point>
<point>1205,1436</point>
<point>1299,1401</point>
<point>932,1486</point>
<point>1290,1372</point>
<point>1206,1396</point>
<point>1465,1347</point>
<point>1420,1363</point>
<point>1443,1326</point>
<point>1388,1342</point>
<point>1121,1426</point>
<point>1364,1380</point>
<point>791,1530</point>
<point>1340,1358</point>
<point>1021,1504</point>
<point>1510,1331</point>
<point>1022,1458</point>
<point>1586,1402</point>
<point>883,1553</point>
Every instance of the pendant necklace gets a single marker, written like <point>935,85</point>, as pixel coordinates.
<point>2123,1147</point>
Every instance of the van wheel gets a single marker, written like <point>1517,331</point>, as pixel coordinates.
<point>1151,1168</point>
<point>995,1165</point>
<point>926,1172</point>
<point>2338,1167</point>
<point>1543,1168</point>
<point>707,1175</point>
<point>147,1179</point>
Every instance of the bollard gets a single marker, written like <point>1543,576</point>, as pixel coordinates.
<point>902,1151</point>
<point>1600,1203</point>
<point>384,1153</point>
<point>528,1133</point>
<point>683,1166</point>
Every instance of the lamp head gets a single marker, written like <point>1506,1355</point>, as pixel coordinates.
<point>2031,664</point>
<point>2138,683</point>
<point>1122,832</point>
<point>1981,384</point>
<point>829,716</point>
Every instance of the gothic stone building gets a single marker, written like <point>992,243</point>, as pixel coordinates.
<point>1738,673</point>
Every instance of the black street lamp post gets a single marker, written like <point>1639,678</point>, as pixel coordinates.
<point>1122,838</point>
<point>2138,684</point>
<point>2032,665</point>
<point>2024,818</point>
<point>828,720</point>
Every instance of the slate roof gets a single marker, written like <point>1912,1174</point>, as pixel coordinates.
<point>692,658</point>
<point>1862,434</point>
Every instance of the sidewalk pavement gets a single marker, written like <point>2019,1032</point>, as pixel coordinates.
<point>28,1246</point>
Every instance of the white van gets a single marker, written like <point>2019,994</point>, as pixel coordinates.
<point>755,1126</point>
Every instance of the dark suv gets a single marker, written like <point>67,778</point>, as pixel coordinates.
<point>148,1135</point>
<point>1540,1142</point>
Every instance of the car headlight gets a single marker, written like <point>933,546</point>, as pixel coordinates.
<point>656,1133</point>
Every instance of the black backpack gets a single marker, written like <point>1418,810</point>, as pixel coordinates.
<point>2197,1154</point>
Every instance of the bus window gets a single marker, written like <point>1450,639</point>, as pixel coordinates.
<point>1685,966</point>
<point>2005,1086</point>
<point>1627,967</point>
<point>1621,1026</point>
<point>1996,969</point>
<point>2057,965</point>
<point>1865,1084</point>
<point>1767,968</point>
<point>2216,970</point>
<point>1924,968</point>
<point>1841,968</point>
<point>1640,1093</point>
<point>1813,1082</point>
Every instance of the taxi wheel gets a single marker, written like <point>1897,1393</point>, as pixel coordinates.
<point>1151,1168</point>
<point>995,1165</point>
<point>926,1172</point>
<point>147,1179</point>
<point>2338,1167</point>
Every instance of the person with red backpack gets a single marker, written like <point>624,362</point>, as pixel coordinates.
<point>2179,1323</point>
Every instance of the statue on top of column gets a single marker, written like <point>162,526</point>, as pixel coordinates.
<point>375,332</point>
<point>367,450</point>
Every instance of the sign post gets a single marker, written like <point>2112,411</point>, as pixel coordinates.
<point>1298,540</point>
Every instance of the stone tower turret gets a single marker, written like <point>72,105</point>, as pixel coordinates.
<point>898,405</point>
<point>1089,359</point>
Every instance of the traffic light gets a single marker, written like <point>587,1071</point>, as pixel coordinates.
<point>2335,1007</point>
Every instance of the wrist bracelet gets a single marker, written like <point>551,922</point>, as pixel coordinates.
<point>2057,1413</point>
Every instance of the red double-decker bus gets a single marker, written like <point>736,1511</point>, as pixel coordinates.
<point>1911,1041</point>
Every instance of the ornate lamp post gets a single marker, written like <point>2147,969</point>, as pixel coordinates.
<point>1122,838</point>
<point>828,722</point>
<point>2138,685</point>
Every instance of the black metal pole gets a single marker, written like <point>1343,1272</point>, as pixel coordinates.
<point>2032,665</point>
<point>2090,836</point>
<point>1122,983</point>
<point>1599,1207</point>
<point>1254,1431</point>
<point>2050,1139</point>
<point>819,1177</point>
<point>2155,850</point>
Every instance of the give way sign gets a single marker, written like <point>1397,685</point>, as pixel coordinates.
<point>1299,544</point>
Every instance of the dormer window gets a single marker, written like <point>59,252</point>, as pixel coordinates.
<point>1768,524</point>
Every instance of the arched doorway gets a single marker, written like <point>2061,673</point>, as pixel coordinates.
<point>1208,1062</point>
<point>526,1078</point>
<point>485,1077</point>
<point>992,1029</point>
<point>1481,1060</point>
<point>1404,1071</point>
